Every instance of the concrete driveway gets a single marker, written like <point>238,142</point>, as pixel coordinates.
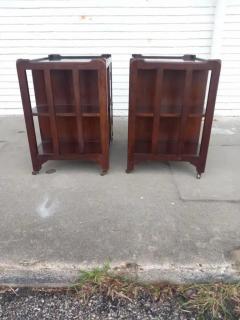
<point>159,220</point>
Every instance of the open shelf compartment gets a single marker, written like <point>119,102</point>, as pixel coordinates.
<point>89,95</point>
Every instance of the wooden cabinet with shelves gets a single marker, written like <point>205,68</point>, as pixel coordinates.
<point>171,107</point>
<point>73,107</point>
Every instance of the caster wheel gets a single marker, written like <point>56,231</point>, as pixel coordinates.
<point>34,173</point>
<point>129,170</point>
<point>103,173</point>
<point>199,176</point>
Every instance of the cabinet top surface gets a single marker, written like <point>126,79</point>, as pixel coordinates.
<point>85,58</point>
<point>185,59</point>
<point>58,60</point>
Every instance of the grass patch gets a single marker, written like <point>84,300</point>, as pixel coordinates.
<point>204,301</point>
<point>211,301</point>
<point>101,280</point>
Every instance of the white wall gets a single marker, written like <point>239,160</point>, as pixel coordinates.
<point>228,100</point>
<point>35,28</point>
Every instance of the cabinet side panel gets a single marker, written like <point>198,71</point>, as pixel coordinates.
<point>192,134</point>
<point>198,91</point>
<point>192,130</point>
<point>41,103</point>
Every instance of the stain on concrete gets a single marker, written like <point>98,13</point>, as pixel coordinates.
<point>234,257</point>
<point>3,144</point>
<point>49,171</point>
<point>47,207</point>
<point>223,131</point>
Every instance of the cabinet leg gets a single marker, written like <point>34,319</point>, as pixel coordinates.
<point>130,167</point>
<point>200,170</point>
<point>103,172</point>
<point>104,166</point>
<point>36,168</point>
<point>199,173</point>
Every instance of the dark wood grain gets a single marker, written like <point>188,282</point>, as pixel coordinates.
<point>167,119</point>
<point>73,108</point>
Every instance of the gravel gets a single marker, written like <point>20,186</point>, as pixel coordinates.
<point>38,304</point>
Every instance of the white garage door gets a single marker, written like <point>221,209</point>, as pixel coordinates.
<point>35,28</point>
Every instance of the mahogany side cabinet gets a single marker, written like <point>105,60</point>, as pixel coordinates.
<point>171,108</point>
<point>72,108</point>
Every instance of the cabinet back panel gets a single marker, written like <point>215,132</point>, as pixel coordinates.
<point>91,129</point>
<point>172,90</point>
<point>146,90</point>
<point>62,87</point>
<point>88,87</point>
<point>169,129</point>
<point>144,129</point>
<point>67,129</point>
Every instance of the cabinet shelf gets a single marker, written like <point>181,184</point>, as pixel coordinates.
<point>40,111</point>
<point>144,114</point>
<point>179,115</point>
<point>66,111</point>
<point>169,112</point>
<point>167,148</point>
<point>196,115</point>
<point>90,110</point>
<point>90,114</point>
<point>69,148</point>
<point>169,115</point>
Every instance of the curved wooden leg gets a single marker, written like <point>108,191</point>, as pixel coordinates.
<point>104,165</point>
<point>130,166</point>
<point>129,170</point>
<point>200,168</point>
<point>103,172</point>
<point>36,168</point>
<point>199,172</point>
<point>34,173</point>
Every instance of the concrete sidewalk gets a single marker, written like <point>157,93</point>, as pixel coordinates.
<point>160,217</point>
